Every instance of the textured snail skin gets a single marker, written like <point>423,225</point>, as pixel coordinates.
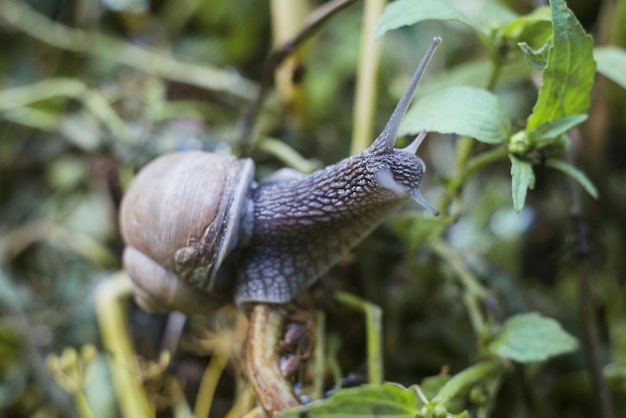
<point>302,227</point>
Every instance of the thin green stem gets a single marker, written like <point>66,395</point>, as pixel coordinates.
<point>495,73</point>
<point>319,365</point>
<point>332,349</point>
<point>111,298</point>
<point>373,320</point>
<point>82,405</point>
<point>466,169</point>
<point>474,291</point>
<point>474,312</point>
<point>287,155</point>
<point>463,151</point>
<point>482,160</point>
<point>47,89</point>
<point>179,405</point>
<point>33,118</point>
<point>208,384</point>
<point>466,378</point>
<point>365,95</point>
<point>469,281</point>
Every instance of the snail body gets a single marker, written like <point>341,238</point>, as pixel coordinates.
<point>200,232</point>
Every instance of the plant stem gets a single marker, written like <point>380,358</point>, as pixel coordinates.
<point>474,291</point>
<point>466,378</point>
<point>312,25</point>
<point>482,160</point>
<point>272,389</point>
<point>82,405</point>
<point>287,19</point>
<point>319,366</point>
<point>365,94</point>
<point>495,73</point>
<point>111,297</point>
<point>243,404</point>
<point>466,169</point>
<point>469,281</point>
<point>373,321</point>
<point>463,151</point>
<point>208,384</point>
<point>287,155</point>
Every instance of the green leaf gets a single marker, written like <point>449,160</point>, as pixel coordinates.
<point>466,111</point>
<point>472,73</point>
<point>611,63</point>
<point>494,14</point>
<point>523,178</point>
<point>536,58</point>
<point>576,174</point>
<point>386,400</point>
<point>408,12</point>
<point>533,28</point>
<point>531,337</point>
<point>568,75</point>
<point>551,131</point>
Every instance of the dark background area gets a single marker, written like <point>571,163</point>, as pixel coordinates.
<point>65,161</point>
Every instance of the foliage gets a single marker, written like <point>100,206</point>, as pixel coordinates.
<point>499,307</point>
<point>567,78</point>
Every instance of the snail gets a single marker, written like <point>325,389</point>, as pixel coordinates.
<point>200,232</point>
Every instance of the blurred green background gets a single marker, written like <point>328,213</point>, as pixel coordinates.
<point>82,109</point>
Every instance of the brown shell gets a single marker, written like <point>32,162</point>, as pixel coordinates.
<point>183,211</point>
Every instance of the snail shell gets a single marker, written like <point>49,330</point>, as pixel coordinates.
<point>181,218</point>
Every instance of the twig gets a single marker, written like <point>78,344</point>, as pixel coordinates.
<point>273,391</point>
<point>311,25</point>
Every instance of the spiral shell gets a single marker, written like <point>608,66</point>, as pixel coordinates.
<point>180,219</point>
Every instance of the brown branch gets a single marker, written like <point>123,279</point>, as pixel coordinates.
<point>265,328</point>
<point>312,25</point>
